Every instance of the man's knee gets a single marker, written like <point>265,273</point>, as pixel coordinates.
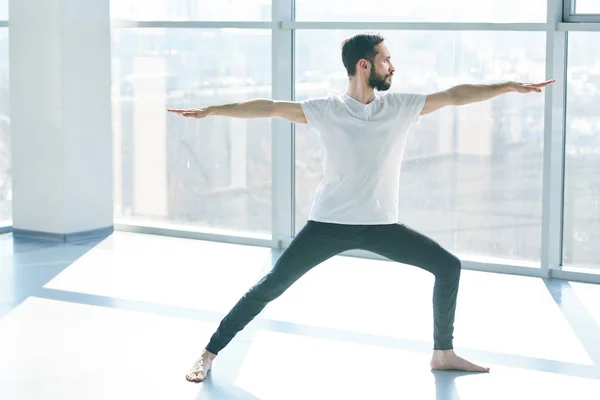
<point>454,265</point>
<point>448,264</point>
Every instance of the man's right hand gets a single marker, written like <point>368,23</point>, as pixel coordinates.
<point>198,113</point>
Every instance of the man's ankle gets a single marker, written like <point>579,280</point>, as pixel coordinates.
<point>208,355</point>
<point>445,351</point>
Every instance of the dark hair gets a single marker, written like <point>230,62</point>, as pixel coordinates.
<point>357,47</point>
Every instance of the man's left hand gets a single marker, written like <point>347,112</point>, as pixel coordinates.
<point>530,87</point>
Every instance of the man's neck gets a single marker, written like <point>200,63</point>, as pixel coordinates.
<point>360,91</point>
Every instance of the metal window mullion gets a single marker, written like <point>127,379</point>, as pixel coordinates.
<point>119,23</point>
<point>591,18</point>
<point>570,13</point>
<point>579,27</point>
<point>282,134</point>
<point>186,232</point>
<point>416,26</point>
<point>568,9</point>
<point>554,142</point>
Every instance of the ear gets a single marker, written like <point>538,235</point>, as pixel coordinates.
<point>363,65</point>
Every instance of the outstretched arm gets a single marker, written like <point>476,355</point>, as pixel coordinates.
<point>467,94</point>
<point>255,108</point>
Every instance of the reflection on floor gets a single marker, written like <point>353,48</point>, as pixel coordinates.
<point>124,317</point>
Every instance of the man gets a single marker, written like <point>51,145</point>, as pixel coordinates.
<point>363,132</point>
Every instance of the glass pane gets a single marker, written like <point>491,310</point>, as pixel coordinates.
<point>191,10</point>
<point>5,153</point>
<point>422,10</point>
<point>211,173</point>
<point>582,183</point>
<point>472,175</point>
<point>3,10</point>
<point>587,7</point>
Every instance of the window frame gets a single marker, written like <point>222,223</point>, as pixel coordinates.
<point>570,15</point>
<point>560,20</point>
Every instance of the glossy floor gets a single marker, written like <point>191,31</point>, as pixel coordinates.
<point>124,318</point>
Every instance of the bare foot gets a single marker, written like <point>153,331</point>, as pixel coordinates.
<point>447,359</point>
<point>198,371</point>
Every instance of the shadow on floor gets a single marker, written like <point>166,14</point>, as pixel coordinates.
<point>27,264</point>
<point>445,384</point>
<point>578,316</point>
<point>212,390</point>
<point>445,388</point>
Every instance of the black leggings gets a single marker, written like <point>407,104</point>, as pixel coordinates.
<point>318,241</point>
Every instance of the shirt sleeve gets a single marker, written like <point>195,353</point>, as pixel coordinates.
<point>409,106</point>
<point>315,110</point>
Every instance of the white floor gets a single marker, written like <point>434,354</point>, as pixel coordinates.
<point>125,318</point>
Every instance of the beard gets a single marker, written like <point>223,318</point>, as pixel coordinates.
<point>379,82</point>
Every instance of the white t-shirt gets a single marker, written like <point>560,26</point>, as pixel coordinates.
<point>363,147</point>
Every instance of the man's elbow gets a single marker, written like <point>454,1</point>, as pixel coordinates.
<point>269,108</point>
<point>456,98</point>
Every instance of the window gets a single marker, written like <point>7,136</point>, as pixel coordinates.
<point>587,7</point>
<point>5,153</point>
<point>422,10</point>
<point>582,162</point>
<point>192,10</point>
<point>472,175</point>
<point>211,173</point>
<point>3,10</point>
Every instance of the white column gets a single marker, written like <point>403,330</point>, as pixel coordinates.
<point>61,117</point>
